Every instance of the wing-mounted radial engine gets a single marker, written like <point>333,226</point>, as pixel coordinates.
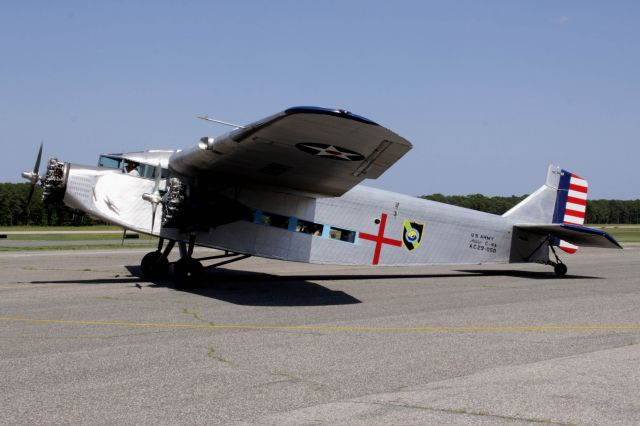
<point>186,207</point>
<point>173,204</point>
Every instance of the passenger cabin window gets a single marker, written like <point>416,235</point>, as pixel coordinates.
<point>342,235</point>
<point>304,226</point>
<point>276,220</point>
<point>309,227</point>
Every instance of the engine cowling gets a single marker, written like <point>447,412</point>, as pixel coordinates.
<point>54,182</point>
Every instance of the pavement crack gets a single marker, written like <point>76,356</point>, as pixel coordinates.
<point>195,315</point>
<point>467,412</point>
<point>290,378</point>
<point>211,353</point>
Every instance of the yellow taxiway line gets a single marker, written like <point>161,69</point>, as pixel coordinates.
<point>323,327</point>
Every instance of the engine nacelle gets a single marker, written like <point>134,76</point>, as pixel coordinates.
<point>191,208</point>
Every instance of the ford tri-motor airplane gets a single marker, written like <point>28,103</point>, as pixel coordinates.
<point>286,187</point>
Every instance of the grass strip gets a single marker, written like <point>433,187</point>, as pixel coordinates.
<point>622,233</point>
<point>80,247</point>
<point>70,237</point>
<point>96,228</point>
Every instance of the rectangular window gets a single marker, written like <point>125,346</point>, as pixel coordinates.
<point>272,219</point>
<point>342,235</point>
<point>307,227</point>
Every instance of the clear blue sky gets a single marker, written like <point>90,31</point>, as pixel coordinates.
<point>489,92</point>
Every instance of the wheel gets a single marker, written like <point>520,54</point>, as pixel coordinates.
<point>187,272</point>
<point>560,269</point>
<point>153,265</point>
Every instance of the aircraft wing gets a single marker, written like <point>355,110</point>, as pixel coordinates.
<point>574,234</point>
<point>317,150</point>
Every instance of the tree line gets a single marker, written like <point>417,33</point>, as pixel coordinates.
<point>15,212</point>
<point>598,211</point>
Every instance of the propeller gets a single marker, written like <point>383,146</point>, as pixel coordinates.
<point>154,198</point>
<point>34,176</point>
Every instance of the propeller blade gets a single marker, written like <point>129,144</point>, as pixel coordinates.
<point>124,235</point>
<point>34,176</point>
<point>156,195</point>
<point>154,206</point>
<point>156,185</point>
<point>36,167</point>
<point>31,191</point>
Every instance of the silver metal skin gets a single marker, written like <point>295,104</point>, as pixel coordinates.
<point>304,203</point>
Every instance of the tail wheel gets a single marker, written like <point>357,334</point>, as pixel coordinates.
<point>560,269</point>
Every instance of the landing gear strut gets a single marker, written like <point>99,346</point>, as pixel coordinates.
<point>187,270</point>
<point>558,267</point>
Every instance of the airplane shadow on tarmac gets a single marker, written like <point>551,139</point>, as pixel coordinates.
<point>526,274</point>
<point>261,289</point>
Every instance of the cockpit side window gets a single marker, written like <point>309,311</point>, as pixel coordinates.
<point>150,172</point>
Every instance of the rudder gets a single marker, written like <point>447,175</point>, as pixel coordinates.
<point>571,202</point>
<point>571,205</point>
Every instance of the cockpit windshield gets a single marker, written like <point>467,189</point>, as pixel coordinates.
<point>144,170</point>
<point>110,162</point>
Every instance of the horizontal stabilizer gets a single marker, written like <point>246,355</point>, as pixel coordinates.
<point>574,234</point>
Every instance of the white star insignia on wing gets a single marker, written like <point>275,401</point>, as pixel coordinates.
<point>332,151</point>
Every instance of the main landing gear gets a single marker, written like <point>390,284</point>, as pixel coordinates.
<point>156,263</point>
<point>187,271</point>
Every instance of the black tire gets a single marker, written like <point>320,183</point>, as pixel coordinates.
<point>154,266</point>
<point>560,269</point>
<point>187,272</point>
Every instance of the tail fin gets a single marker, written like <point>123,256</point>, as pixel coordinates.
<point>541,206</point>
<point>571,205</point>
<point>562,199</point>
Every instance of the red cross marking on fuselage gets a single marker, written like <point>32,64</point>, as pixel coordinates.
<point>380,239</point>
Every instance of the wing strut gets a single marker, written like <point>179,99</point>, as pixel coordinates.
<point>226,123</point>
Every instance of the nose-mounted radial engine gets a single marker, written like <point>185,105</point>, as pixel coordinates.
<point>53,182</point>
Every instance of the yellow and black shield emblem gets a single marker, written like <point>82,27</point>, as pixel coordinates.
<point>412,234</point>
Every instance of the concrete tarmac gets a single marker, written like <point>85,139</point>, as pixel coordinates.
<point>84,340</point>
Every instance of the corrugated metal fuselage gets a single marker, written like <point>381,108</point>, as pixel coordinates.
<point>364,226</point>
